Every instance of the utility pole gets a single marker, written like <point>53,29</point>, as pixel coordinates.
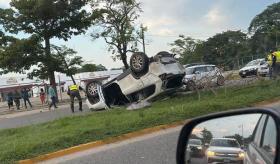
<point>143,38</point>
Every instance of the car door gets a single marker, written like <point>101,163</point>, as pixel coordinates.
<point>200,72</point>
<point>252,151</point>
<point>263,148</point>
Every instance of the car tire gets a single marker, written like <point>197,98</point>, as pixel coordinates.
<point>139,63</point>
<point>91,89</point>
<point>220,80</point>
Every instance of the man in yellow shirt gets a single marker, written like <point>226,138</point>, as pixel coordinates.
<point>73,91</point>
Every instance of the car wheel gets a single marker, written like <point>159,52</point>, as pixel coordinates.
<point>220,80</point>
<point>139,63</point>
<point>91,89</point>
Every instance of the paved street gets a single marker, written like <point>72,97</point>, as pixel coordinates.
<point>26,118</point>
<point>157,148</point>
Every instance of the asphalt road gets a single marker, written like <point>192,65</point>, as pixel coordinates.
<point>35,117</point>
<point>157,148</point>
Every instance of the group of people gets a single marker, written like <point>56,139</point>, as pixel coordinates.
<point>16,96</point>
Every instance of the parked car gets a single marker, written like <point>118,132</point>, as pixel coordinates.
<point>254,67</point>
<point>225,150</point>
<point>146,79</point>
<point>197,75</point>
<point>263,69</point>
<point>262,149</point>
<point>196,147</point>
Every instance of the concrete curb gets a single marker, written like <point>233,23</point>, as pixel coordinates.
<point>99,143</point>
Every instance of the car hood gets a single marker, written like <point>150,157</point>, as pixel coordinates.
<point>224,149</point>
<point>249,67</point>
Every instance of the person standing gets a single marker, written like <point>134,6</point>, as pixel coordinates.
<point>25,97</point>
<point>52,95</point>
<point>17,98</point>
<point>73,91</point>
<point>42,96</point>
<point>10,100</point>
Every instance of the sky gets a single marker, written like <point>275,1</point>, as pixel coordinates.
<point>166,20</point>
<point>229,126</point>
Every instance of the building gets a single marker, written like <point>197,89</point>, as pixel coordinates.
<point>11,84</point>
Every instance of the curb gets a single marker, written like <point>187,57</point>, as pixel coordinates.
<point>99,143</point>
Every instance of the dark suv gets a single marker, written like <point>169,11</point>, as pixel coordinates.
<point>262,149</point>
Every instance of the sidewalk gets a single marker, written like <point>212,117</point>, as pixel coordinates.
<point>36,103</point>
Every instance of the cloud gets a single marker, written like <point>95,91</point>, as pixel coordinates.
<point>215,17</point>
<point>4,3</point>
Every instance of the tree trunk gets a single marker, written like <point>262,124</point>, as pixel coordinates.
<point>124,60</point>
<point>50,71</point>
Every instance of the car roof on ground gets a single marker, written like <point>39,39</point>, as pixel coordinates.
<point>204,65</point>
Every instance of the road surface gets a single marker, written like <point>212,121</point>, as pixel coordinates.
<point>26,118</point>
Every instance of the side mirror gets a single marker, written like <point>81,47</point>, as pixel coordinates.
<point>230,133</point>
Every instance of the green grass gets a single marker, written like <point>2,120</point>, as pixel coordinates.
<point>31,141</point>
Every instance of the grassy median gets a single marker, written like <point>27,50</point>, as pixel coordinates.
<point>31,141</point>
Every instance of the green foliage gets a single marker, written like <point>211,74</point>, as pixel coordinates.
<point>225,49</point>
<point>18,55</point>
<point>92,68</point>
<point>206,136</point>
<point>117,26</point>
<point>186,48</point>
<point>44,19</point>
<point>265,28</point>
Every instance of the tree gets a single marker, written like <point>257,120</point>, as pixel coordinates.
<point>187,48</point>
<point>117,27</point>
<point>92,68</point>
<point>206,136</point>
<point>265,28</point>
<point>18,55</point>
<point>225,49</point>
<point>46,19</point>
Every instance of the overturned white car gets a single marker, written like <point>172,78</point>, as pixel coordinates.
<point>146,79</point>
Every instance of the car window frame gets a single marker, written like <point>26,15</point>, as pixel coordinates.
<point>264,153</point>
<point>260,125</point>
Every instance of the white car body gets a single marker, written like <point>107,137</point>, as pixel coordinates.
<point>164,74</point>
<point>223,154</point>
<point>255,67</point>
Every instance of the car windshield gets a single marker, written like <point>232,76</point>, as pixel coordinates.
<point>252,63</point>
<point>189,71</point>
<point>194,142</point>
<point>224,143</point>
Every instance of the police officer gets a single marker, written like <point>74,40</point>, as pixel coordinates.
<point>73,91</point>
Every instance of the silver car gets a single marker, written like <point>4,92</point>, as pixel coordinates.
<point>224,150</point>
<point>199,75</point>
